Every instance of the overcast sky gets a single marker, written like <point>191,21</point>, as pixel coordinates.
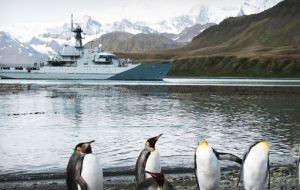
<point>35,11</point>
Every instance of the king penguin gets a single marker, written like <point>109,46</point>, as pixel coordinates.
<point>207,169</point>
<point>148,160</point>
<point>158,181</point>
<point>84,171</point>
<point>255,166</point>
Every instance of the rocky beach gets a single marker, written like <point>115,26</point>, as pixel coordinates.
<point>282,178</point>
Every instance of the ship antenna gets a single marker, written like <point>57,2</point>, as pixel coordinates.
<point>72,22</point>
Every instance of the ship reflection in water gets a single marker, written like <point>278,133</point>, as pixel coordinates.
<point>40,124</point>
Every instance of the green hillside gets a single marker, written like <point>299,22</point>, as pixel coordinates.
<point>261,45</point>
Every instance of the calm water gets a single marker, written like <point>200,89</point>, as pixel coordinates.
<point>121,119</point>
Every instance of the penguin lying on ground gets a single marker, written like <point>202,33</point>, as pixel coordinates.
<point>157,182</point>
<point>255,167</point>
<point>84,171</point>
<point>207,167</point>
<point>148,160</point>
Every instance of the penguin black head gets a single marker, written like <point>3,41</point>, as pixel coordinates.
<point>159,178</point>
<point>84,147</point>
<point>152,141</point>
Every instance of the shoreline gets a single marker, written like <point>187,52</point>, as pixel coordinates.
<point>148,89</point>
<point>282,177</point>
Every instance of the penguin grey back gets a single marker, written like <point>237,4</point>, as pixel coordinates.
<point>73,172</point>
<point>140,174</point>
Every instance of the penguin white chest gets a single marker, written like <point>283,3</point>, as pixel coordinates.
<point>255,169</point>
<point>92,172</point>
<point>208,169</point>
<point>153,163</point>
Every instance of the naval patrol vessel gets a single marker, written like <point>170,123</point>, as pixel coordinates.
<point>80,63</point>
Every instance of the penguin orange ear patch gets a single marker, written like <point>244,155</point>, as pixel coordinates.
<point>147,143</point>
<point>78,149</point>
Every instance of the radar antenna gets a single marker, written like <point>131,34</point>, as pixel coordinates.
<point>77,31</point>
<point>71,22</point>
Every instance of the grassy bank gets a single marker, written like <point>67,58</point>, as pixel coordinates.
<point>232,66</point>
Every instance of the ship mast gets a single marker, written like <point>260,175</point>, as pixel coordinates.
<point>77,31</point>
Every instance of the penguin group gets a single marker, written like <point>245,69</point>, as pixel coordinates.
<point>84,171</point>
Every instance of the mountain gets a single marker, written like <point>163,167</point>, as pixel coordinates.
<point>14,52</point>
<point>190,32</point>
<point>256,6</point>
<point>258,45</point>
<point>203,14</point>
<point>275,29</point>
<point>126,42</point>
<point>130,27</point>
<point>109,41</point>
<point>49,40</point>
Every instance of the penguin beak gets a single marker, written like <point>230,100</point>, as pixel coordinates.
<point>156,139</point>
<point>91,141</point>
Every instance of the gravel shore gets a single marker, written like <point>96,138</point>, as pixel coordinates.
<point>282,178</point>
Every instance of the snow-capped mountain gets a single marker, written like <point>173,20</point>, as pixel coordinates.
<point>202,14</point>
<point>131,27</point>
<point>190,32</point>
<point>256,6</point>
<point>14,52</point>
<point>49,38</point>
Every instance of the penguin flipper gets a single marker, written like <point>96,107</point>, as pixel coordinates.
<point>140,166</point>
<point>70,173</point>
<point>269,174</point>
<point>297,165</point>
<point>227,156</point>
<point>195,169</point>
<point>168,186</point>
<point>78,179</point>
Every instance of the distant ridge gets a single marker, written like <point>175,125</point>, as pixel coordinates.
<point>126,42</point>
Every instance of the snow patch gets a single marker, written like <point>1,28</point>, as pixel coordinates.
<point>43,49</point>
<point>30,54</point>
<point>20,50</point>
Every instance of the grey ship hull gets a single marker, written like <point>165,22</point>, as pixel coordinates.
<point>140,72</point>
